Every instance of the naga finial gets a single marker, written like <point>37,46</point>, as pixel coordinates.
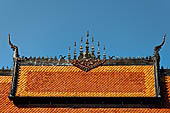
<point>157,48</point>
<point>14,47</point>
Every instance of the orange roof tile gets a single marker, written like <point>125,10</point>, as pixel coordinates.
<point>7,106</point>
<point>103,81</point>
<point>167,80</point>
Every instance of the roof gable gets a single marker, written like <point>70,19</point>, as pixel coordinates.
<point>86,76</point>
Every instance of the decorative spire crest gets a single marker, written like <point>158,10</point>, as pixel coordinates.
<point>87,61</point>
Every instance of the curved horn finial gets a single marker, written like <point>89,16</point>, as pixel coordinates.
<point>14,47</point>
<point>156,52</point>
<point>163,40</point>
<point>159,46</point>
<point>9,41</point>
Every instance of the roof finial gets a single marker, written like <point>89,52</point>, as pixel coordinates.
<point>92,47</point>
<point>157,48</point>
<point>92,40</point>
<point>75,50</point>
<point>156,52</point>
<point>87,33</point>
<point>87,41</point>
<point>87,46</point>
<point>69,56</point>
<point>104,54</point>
<point>14,47</point>
<point>98,52</point>
<point>81,40</point>
<point>81,47</point>
<point>3,68</point>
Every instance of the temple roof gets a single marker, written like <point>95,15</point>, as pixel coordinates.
<point>86,75</point>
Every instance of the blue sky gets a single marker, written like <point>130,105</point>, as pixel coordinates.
<point>48,27</point>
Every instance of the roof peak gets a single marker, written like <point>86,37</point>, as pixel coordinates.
<point>87,54</point>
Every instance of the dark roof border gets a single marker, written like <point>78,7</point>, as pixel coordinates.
<point>33,61</point>
<point>135,102</point>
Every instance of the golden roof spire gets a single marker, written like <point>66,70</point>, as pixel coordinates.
<point>75,50</point>
<point>87,33</point>
<point>92,47</point>
<point>69,56</point>
<point>104,54</point>
<point>87,41</point>
<point>81,40</point>
<point>87,46</point>
<point>92,40</point>
<point>98,52</point>
<point>81,47</point>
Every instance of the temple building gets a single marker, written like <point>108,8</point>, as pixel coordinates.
<point>85,82</point>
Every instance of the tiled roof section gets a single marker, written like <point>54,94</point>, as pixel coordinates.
<point>4,79</point>
<point>103,81</point>
<point>167,80</point>
<point>7,106</point>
